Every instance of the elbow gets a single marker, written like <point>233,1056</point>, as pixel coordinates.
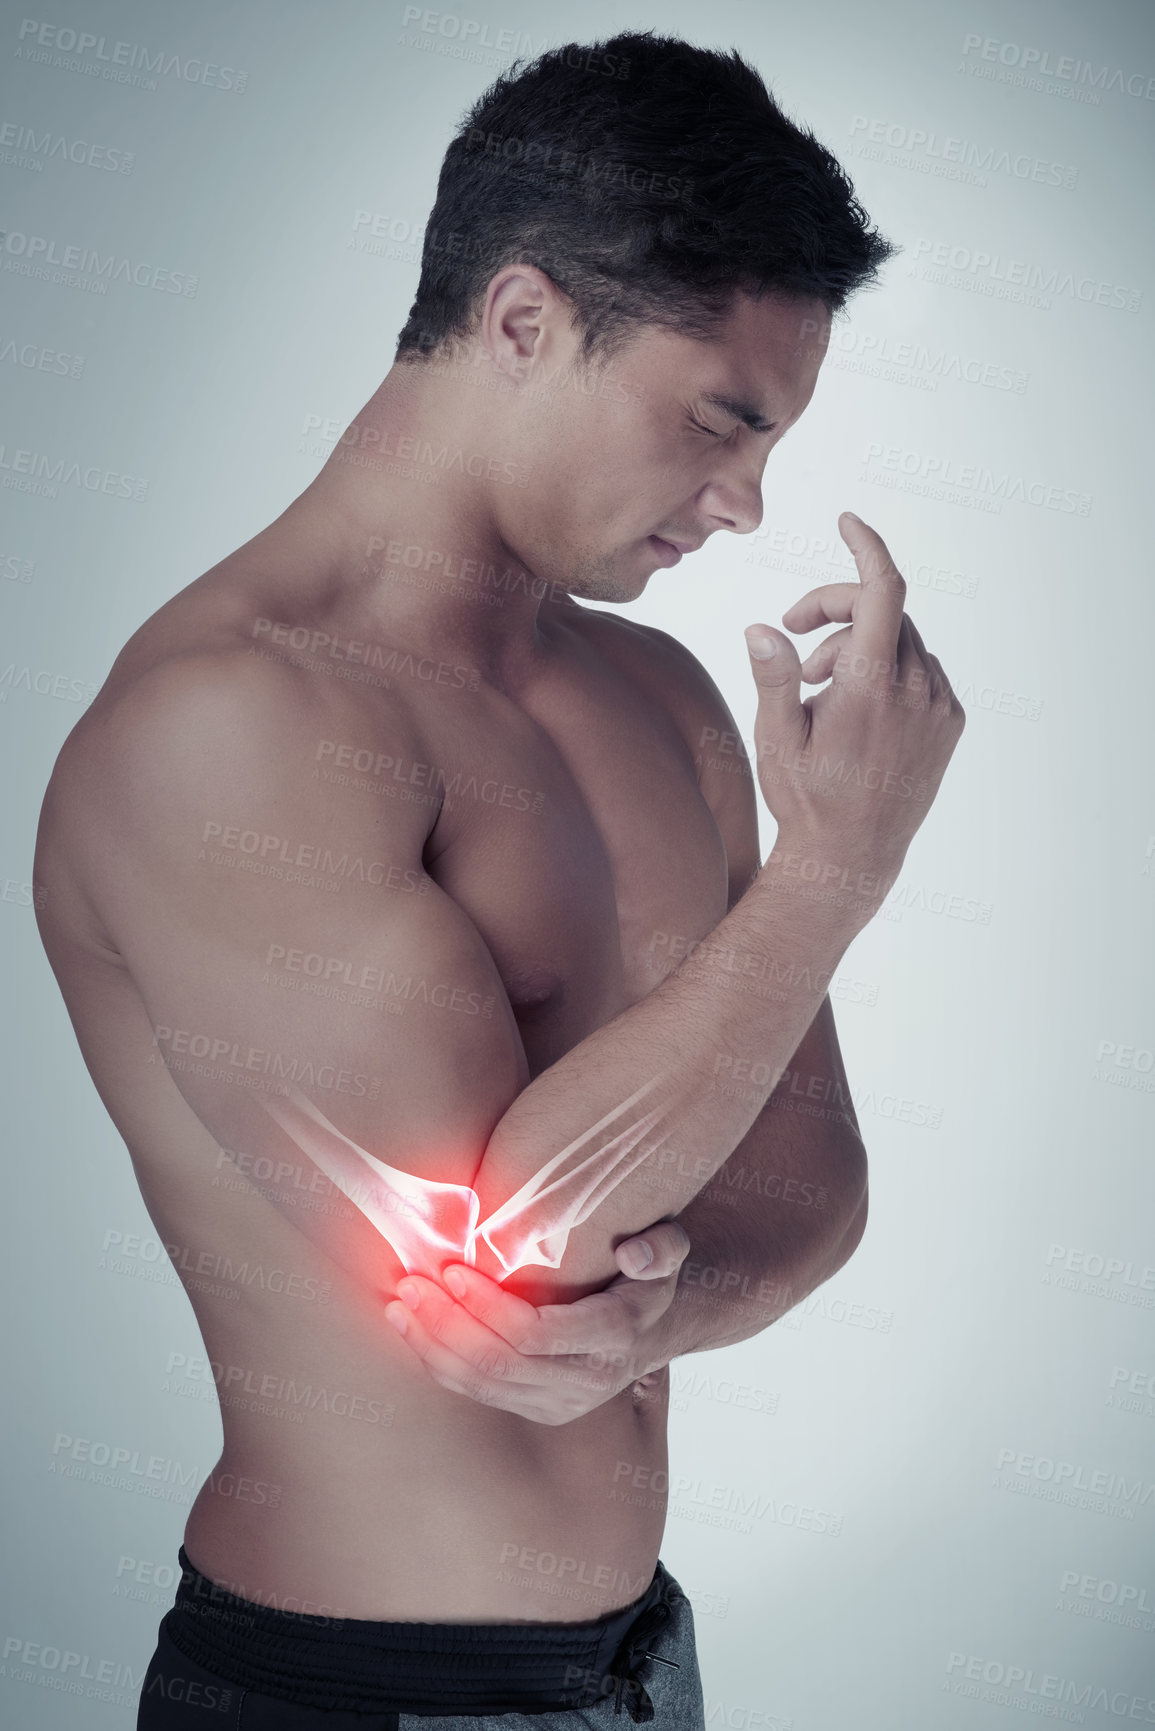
<point>852,1236</point>
<point>854,1206</point>
<point>835,1251</point>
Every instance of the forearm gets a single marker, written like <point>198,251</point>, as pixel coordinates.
<point>783,1214</point>
<point>702,1318</point>
<point>657,1074</point>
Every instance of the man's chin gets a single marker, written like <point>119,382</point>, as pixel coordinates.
<point>613,580</point>
<point>615,595</point>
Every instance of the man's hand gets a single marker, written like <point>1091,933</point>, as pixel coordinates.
<point>550,1363</point>
<point>889,713</point>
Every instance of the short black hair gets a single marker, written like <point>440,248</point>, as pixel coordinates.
<point>649,179</point>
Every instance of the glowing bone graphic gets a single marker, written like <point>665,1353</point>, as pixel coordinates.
<point>430,1224</point>
<point>427,1223</point>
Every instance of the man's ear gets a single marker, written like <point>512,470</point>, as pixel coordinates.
<point>524,313</point>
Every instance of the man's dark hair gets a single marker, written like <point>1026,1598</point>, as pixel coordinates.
<point>649,179</point>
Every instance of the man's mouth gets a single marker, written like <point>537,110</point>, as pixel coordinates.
<point>667,552</point>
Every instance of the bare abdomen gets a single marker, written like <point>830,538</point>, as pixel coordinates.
<point>353,1485</point>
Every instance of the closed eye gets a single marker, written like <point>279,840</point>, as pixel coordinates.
<point>710,430</point>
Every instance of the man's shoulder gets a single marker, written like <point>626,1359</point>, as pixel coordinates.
<point>676,681</point>
<point>664,666</point>
<point>218,719</point>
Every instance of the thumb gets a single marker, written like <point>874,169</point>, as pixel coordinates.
<point>777,674</point>
<point>668,1244</point>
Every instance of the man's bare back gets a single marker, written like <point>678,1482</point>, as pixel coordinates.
<point>574,832</point>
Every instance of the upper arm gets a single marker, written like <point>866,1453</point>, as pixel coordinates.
<point>280,925</point>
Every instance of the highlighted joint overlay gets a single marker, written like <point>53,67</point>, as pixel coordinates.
<point>430,1224</point>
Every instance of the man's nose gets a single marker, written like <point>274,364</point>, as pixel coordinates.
<point>734,505</point>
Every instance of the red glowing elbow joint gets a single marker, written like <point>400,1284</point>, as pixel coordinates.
<point>430,1224</point>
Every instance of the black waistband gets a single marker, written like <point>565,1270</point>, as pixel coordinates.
<point>412,1667</point>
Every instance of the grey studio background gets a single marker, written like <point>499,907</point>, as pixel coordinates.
<point>927,1497</point>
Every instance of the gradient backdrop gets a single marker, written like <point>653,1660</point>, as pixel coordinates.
<point>926,1498</point>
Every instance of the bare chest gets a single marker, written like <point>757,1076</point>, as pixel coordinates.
<point>566,820</point>
<point>578,841</point>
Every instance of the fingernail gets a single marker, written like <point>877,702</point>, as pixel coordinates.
<point>396,1317</point>
<point>455,1281</point>
<point>854,517</point>
<point>409,1296</point>
<point>637,1257</point>
<point>760,643</point>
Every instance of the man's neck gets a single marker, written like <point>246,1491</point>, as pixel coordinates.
<point>408,521</point>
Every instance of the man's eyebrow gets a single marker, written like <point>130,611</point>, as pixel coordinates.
<point>745,412</point>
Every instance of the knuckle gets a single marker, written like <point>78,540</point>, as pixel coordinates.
<point>615,1338</point>
<point>434,1322</point>
<point>671,1253</point>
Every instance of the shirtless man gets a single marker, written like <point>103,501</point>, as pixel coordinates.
<point>381,844</point>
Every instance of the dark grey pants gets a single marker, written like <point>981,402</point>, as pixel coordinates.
<point>654,1677</point>
<point>676,1693</point>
